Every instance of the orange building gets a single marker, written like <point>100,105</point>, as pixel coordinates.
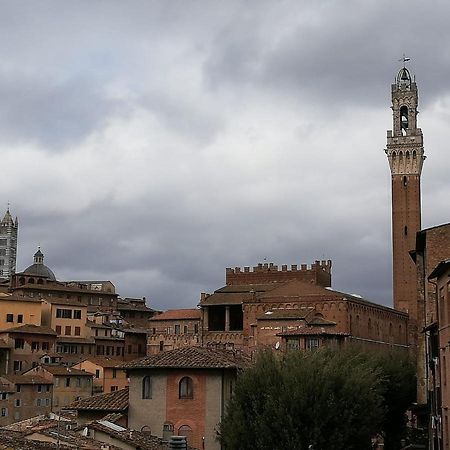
<point>18,310</point>
<point>107,372</point>
<point>69,384</point>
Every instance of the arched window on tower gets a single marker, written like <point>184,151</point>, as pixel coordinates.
<point>404,119</point>
<point>186,389</point>
<point>146,387</point>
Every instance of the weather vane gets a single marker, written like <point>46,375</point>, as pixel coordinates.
<point>405,59</point>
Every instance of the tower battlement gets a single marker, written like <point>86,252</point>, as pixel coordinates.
<point>318,272</point>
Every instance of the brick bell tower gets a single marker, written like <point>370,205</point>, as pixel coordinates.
<point>406,156</point>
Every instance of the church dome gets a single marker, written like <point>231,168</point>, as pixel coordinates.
<point>39,269</point>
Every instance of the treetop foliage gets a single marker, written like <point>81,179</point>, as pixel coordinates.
<point>330,400</point>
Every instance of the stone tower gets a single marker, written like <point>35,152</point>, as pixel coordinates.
<point>406,156</point>
<point>8,245</point>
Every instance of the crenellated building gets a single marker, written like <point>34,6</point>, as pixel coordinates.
<point>267,307</point>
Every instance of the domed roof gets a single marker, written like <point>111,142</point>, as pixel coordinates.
<point>39,269</point>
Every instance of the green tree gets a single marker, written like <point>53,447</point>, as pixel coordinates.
<point>328,399</point>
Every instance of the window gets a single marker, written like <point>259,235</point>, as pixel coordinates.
<point>38,402</point>
<point>177,329</point>
<point>18,387</point>
<point>45,346</point>
<point>58,329</point>
<point>146,387</point>
<point>161,346</point>
<point>185,430</point>
<point>185,329</point>
<point>78,382</point>
<point>77,313</point>
<point>67,330</point>
<point>312,343</point>
<point>4,412</point>
<point>153,330</point>
<point>39,387</point>
<point>4,396</point>
<point>114,388</point>
<point>97,373</point>
<point>10,317</point>
<point>18,402</point>
<point>114,373</point>
<point>77,331</point>
<point>19,343</point>
<point>20,318</point>
<point>64,313</point>
<point>35,345</point>
<point>68,382</point>
<point>185,388</point>
<point>196,328</point>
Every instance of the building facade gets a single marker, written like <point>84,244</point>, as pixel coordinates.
<point>186,390</point>
<point>256,306</point>
<point>174,328</point>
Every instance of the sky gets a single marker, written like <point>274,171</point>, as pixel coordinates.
<point>155,143</point>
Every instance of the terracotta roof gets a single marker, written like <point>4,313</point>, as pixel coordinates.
<point>64,371</point>
<point>192,357</point>
<point>75,340</point>
<point>137,439</point>
<point>16,440</point>
<point>20,298</point>
<point>27,379</point>
<point>114,417</point>
<point>320,321</point>
<point>312,331</point>
<point>236,294</point>
<point>286,314</point>
<point>103,361</point>
<point>30,329</point>
<point>116,401</point>
<point>62,287</point>
<point>178,314</point>
<point>66,301</point>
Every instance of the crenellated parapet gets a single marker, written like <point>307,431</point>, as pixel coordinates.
<point>318,273</point>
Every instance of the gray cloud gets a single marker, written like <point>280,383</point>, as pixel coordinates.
<point>155,144</point>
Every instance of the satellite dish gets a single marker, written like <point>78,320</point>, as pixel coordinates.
<point>277,345</point>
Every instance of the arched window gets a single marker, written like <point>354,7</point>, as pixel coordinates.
<point>185,430</point>
<point>404,119</point>
<point>186,389</point>
<point>146,387</point>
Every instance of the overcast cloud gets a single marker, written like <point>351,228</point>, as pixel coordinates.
<point>154,143</point>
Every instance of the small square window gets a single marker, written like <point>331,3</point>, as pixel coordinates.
<point>10,318</point>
